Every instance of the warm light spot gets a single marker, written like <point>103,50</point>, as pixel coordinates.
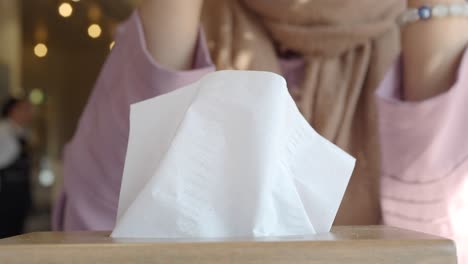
<point>94,31</point>
<point>65,10</point>
<point>111,45</point>
<point>40,50</point>
<point>36,96</point>
<point>76,1</point>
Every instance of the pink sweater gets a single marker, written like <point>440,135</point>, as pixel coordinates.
<point>425,167</point>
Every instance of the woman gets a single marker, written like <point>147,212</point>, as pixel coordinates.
<point>334,54</point>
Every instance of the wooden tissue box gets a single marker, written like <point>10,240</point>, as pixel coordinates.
<point>371,244</point>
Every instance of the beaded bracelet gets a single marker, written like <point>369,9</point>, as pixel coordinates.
<point>438,11</point>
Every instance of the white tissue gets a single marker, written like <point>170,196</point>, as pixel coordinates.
<point>228,156</point>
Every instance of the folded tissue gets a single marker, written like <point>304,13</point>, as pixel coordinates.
<point>228,156</point>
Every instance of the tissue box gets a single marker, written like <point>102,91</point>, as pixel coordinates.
<point>373,244</point>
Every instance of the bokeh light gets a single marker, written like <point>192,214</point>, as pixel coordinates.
<point>40,50</point>
<point>46,178</point>
<point>94,31</point>
<point>65,10</point>
<point>36,96</point>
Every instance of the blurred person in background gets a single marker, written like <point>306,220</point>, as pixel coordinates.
<point>15,166</point>
<point>393,95</point>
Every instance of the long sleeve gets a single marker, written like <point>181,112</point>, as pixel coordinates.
<point>94,159</point>
<point>424,184</point>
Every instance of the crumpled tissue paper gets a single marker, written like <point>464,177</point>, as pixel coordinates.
<point>228,156</point>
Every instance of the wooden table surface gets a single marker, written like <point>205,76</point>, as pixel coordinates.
<point>371,244</point>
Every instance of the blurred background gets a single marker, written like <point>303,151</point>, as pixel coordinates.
<point>51,52</point>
